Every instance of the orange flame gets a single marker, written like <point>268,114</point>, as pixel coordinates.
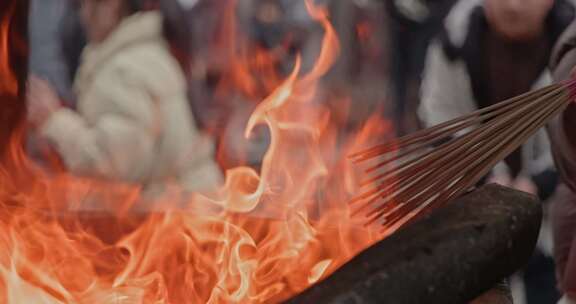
<point>263,237</point>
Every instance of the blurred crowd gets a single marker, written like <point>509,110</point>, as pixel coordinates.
<point>146,91</point>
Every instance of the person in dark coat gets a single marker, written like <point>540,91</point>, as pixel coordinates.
<point>563,140</point>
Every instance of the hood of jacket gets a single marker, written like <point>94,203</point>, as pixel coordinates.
<point>145,27</point>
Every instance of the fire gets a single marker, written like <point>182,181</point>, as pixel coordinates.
<point>263,237</point>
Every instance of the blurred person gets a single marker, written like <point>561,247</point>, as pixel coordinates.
<point>45,35</point>
<point>412,25</point>
<point>133,122</point>
<point>72,40</point>
<point>563,141</point>
<point>284,27</point>
<point>48,28</point>
<point>211,51</point>
<point>490,51</point>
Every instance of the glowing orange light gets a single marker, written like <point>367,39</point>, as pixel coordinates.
<point>263,237</point>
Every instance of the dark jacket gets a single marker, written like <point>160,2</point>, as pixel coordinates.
<point>563,141</point>
<point>561,129</point>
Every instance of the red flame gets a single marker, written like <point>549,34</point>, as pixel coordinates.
<point>263,237</point>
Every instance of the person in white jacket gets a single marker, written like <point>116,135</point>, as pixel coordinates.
<point>133,122</point>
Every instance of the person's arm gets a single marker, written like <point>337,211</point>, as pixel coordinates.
<point>120,144</point>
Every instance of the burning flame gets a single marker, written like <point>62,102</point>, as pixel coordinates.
<point>262,238</point>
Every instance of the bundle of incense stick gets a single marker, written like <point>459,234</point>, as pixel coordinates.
<point>428,168</point>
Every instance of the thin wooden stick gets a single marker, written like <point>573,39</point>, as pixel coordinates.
<point>481,167</point>
<point>420,177</point>
<point>418,135</point>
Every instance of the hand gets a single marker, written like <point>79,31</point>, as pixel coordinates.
<point>501,179</point>
<point>42,100</point>
<point>525,184</point>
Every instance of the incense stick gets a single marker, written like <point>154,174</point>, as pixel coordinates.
<point>425,170</point>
